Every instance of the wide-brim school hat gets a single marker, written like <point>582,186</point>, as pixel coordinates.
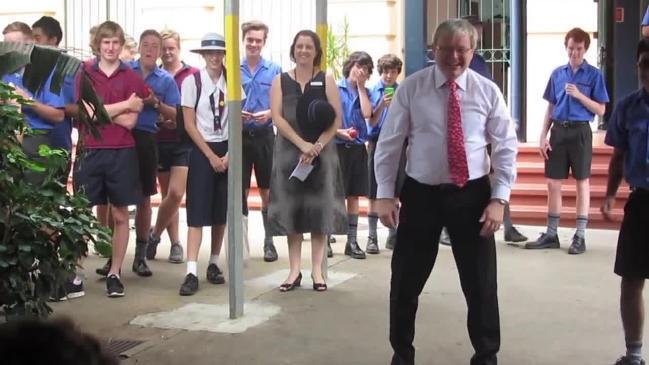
<point>211,42</point>
<point>314,116</point>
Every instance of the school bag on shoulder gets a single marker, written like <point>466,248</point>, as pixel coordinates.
<point>180,120</point>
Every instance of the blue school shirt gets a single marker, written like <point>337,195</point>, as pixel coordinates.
<point>61,134</point>
<point>351,112</point>
<point>257,88</point>
<point>376,94</point>
<point>628,129</point>
<point>45,96</point>
<point>589,81</point>
<point>164,87</point>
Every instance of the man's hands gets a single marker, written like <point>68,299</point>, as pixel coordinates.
<point>573,90</point>
<point>544,148</point>
<point>388,211</point>
<point>135,104</point>
<point>260,117</point>
<point>491,218</point>
<point>360,76</point>
<point>607,208</point>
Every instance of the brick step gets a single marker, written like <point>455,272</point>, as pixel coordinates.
<point>536,194</point>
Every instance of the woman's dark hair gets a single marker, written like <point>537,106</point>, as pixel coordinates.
<point>57,342</point>
<point>316,42</point>
<point>362,59</point>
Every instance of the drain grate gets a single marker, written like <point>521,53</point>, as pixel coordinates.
<point>117,347</point>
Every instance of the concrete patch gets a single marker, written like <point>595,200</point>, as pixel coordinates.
<point>274,279</point>
<point>209,317</point>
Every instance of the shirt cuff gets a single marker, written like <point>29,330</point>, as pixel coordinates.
<point>500,192</point>
<point>385,191</point>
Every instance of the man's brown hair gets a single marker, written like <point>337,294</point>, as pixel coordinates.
<point>389,61</point>
<point>108,29</point>
<point>578,35</point>
<point>253,25</point>
<point>18,27</point>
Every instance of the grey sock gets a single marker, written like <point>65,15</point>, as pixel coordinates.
<point>634,350</point>
<point>372,219</point>
<point>352,228</point>
<point>582,222</point>
<point>553,223</point>
<point>264,218</point>
<point>507,219</point>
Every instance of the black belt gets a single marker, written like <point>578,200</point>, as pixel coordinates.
<point>453,187</point>
<point>257,132</point>
<point>570,123</point>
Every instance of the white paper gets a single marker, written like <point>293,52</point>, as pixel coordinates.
<point>301,171</point>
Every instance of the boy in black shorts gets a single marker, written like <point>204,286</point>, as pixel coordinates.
<point>108,171</point>
<point>350,139</point>
<point>627,133</point>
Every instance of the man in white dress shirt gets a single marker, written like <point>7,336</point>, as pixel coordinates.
<point>449,114</point>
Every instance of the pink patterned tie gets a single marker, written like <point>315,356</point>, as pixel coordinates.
<point>457,165</point>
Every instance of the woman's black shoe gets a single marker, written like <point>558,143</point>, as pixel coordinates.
<point>290,286</point>
<point>318,286</point>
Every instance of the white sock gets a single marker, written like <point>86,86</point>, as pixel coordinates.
<point>214,259</point>
<point>77,280</point>
<point>192,268</point>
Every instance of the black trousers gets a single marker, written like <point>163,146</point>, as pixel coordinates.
<point>425,209</point>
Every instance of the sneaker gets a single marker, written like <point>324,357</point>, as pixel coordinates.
<point>152,246</point>
<point>444,238</point>
<point>391,241</point>
<point>372,245</point>
<point>114,287</point>
<point>189,286</point>
<point>352,249</point>
<point>578,245</point>
<point>628,361</point>
<point>141,268</point>
<point>103,271</point>
<point>544,241</point>
<point>270,253</point>
<point>513,235</point>
<point>214,274</point>
<point>175,253</point>
<point>69,290</point>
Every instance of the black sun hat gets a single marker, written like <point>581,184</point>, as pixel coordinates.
<point>314,116</point>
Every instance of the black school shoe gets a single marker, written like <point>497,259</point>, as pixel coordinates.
<point>214,274</point>
<point>352,249</point>
<point>544,241</point>
<point>114,287</point>
<point>189,286</point>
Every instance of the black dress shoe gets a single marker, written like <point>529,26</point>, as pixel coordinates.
<point>270,253</point>
<point>545,241</point>
<point>513,235</point>
<point>290,286</point>
<point>352,249</point>
<point>578,245</point>
<point>141,268</point>
<point>189,286</point>
<point>372,245</point>
<point>214,275</point>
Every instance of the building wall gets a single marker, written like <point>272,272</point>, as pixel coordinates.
<point>376,26</point>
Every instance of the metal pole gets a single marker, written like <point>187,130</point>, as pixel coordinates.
<point>235,193</point>
<point>518,71</point>
<point>321,29</point>
<point>107,9</point>
<point>415,33</point>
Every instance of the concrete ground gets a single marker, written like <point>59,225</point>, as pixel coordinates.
<point>555,309</point>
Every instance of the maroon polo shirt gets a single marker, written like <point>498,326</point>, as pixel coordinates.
<point>171,135</point>
<point>112,89</point>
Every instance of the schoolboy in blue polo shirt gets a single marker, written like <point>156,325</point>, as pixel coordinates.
<point>350,139</point>
<point>389,67</point>
<point>575,93</point>
<point>257,75</point>
<point>46,108</point>
<point>628,131</point>
<point>158,107</point>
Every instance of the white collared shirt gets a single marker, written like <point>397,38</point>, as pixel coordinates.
<point>419,112</point>
<point>204,117</point>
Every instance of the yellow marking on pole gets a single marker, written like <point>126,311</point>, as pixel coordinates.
<point>232,57</point>
<point>321,30</point>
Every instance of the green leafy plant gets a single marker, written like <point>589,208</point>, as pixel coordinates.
<point>44,230</point>
<point>337,49</point>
